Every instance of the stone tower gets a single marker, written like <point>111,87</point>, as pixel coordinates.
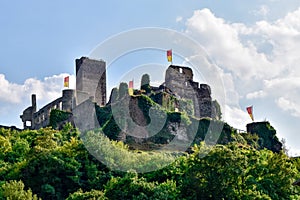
<point>68,100</point>
<point>179,80</point>
<point>91,80</point>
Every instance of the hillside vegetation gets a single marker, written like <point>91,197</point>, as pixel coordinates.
<point>52,164</point>
<point>130,156</point>
<point>122,118</point>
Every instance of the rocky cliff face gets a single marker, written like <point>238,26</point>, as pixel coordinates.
<point>142,124</point>
<point>176,115</point>
<point>266,134</point>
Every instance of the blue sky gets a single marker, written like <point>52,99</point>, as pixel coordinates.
<point>255,45</point>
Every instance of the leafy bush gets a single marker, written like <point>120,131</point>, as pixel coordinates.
<point>266,136</point>
<point>133,187</point>
<point>117,156</point>
<point>57,116</point>
<point>15,190</point>
<point>54,164</point>
<point>93,194</point>
<point>231,172</point>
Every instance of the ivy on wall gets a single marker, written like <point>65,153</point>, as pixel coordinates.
<point>57,116</point>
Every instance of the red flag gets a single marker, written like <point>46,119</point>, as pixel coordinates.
<point>250,112</point>
<point>130,84</point>
<point>130,88</point>
<point>66,81</point>
<point>169,55</point>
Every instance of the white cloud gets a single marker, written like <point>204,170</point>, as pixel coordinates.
<point>9,91</point>
<point>284,91</point>
<point>294,152</point>
<point>231,95</point>
<point>259,65</point>
<point>14,98</point>
<point>179,19</point>
<point>46,90</point>
<point>284,35</point>
<point>261,59</point>
<point>289,106</point>
<point>263,10</point>
<point>236,117</point>
<point>256,94</point>
<point>222,41</point>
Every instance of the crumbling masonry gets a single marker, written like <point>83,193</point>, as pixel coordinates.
<point>90,84</point>
<point>180,81</point>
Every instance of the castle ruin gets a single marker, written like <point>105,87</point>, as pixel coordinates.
<point>90,84</point>
<point>180,81</point>
<point>33,119</point>
<point>91,80</point>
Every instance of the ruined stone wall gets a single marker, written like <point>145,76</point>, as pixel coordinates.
<point>180,81</point>
<point>40,119</point>
<point>27,116</point>
<point>90,84</point>
<point>91,80</point>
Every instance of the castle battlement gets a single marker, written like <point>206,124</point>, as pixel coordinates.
<point>90,84</point>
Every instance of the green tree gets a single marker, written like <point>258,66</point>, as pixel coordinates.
<point>231,172</point>
<point>93,194</point>
<point>133,187</point>
<point>14,190</point>
<point>58,116</point>
<point>5,146</point>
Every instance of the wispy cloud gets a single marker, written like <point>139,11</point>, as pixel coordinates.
<point>179,19</point>
<point>259,64</point>
<point>263,11</point>
<point>47,89</point>
<point>14,98</point>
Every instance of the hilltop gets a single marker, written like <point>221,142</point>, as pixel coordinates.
<point>52,164</point>
<point>152,118</point>
<point>136,160</point>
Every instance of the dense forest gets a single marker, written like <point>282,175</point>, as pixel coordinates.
<point>55,164</point>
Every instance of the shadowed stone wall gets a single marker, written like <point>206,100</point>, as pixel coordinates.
<point>91,80</point>
<point>180,81</point>
<point>266,134</point>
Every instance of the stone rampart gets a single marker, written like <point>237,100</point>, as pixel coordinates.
<point>36,120</point>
